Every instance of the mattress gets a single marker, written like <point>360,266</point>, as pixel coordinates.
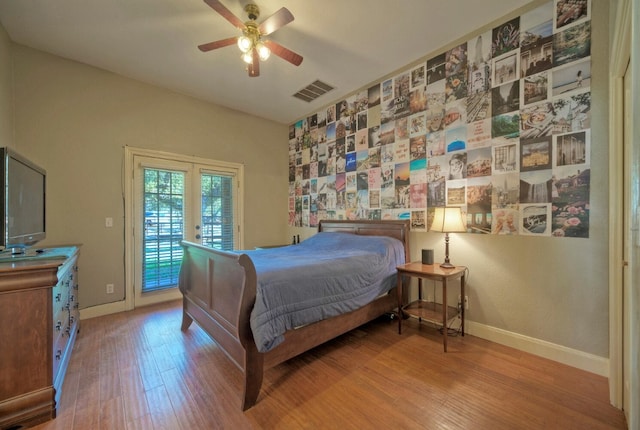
<point>324,276</point>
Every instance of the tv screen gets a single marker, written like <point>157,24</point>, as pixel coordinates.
<point>24,188</point>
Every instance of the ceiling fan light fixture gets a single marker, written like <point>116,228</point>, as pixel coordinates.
<point>244,43</point>
<point>263,51</point>
<point>247,57</point>
<point>254,50</point>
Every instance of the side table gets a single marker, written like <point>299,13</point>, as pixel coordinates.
<point>430,311</point>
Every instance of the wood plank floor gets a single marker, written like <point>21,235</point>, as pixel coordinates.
<point>137,370</point>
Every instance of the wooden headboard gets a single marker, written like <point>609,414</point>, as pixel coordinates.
<point>398,229</point>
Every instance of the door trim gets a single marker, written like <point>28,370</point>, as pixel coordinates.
<point>620,54</point>
<point>128,192</point>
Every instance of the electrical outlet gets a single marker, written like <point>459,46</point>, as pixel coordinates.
<point>466,301</point>
<point>109,288</point>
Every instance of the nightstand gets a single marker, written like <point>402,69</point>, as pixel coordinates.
<point>430,311</point>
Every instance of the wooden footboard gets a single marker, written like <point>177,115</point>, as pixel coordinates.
<point>219,290</point>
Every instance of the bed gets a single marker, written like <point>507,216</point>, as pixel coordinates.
<point>220,290</point>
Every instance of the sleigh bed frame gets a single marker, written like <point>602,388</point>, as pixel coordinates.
<point>219,290</point>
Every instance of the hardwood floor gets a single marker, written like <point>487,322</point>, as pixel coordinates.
<point>137,370</point>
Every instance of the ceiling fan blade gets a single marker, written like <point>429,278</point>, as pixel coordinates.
<point>205,47</point>
<point>254,67</point>
<point>284,53</point>
<point>226,13</point>
<point>280,18</point>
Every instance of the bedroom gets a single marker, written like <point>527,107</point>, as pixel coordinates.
<point>550,293</point>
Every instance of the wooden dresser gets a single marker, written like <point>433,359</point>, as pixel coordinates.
<point>39,320</point>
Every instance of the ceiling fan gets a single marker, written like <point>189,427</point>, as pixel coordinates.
<point>254,48</point>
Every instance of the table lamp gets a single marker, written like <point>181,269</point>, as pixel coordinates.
<point>447,220</point>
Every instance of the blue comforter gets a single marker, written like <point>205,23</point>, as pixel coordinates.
<point>326,275</point>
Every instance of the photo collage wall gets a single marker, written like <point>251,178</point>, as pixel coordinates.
<point>498,125</point>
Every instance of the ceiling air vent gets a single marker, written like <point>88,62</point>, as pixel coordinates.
<point>313,91</point>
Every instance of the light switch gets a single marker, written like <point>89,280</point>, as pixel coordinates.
<point>108,222</point>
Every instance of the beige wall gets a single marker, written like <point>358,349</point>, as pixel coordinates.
<point>74,120</point>
<point>545,289</point>
<point>6,107</point>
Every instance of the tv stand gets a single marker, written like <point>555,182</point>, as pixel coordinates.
<point>39,322</point>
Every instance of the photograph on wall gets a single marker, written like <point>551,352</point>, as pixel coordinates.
<point>505,98</point>
<point>418,76</point>
<point>572,148</point>
<point>362,120</point>
<point>418,171</point>
<point>401,85</point>
<point>505,221</point>
<point>505,128</point>
<point>387,90</point>
<point>455,113</point>
<point>479,106</point>
<point>505,158</point>
<point>435,144</point>
<point>479,54</point>
<point>456,61</point>
<point>505,189</point>
<point>456,139</point>
<point>479,162</point>
<point>457,166</point>
<point>506,68</point>
<point>418,99</point>
<point>535,88</point>
<point>574,76</point>
<point>570,12</point>
<point>536,186</point>
<point>535,154</point>
<point>418,124</point>
<point>455,87</point>
<point>572,44</point>
<point>456,192</point>
<point>386,154</point>
<point>572,113</point>
<point>479,192</point>
<point>479,134</point>
<point>418,220</point>
<point>401,128</point>
<point>418,196</point>
<point>535,219</point>
<point>505,37</point>
<point>571,201</point>
<point>387,133</point>
<point>374,95</point>
<point>536,40</point>
<point>435,68</point>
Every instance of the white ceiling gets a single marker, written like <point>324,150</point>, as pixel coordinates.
<point>347,44</point>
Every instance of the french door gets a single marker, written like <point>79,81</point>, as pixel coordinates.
<point>177,198</point>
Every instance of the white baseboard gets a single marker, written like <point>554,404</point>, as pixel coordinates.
<point>101,310</point>
<point>562,354</point>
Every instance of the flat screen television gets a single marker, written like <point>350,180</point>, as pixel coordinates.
<point>23,202</point>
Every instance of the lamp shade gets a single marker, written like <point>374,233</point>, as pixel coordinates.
<point>448,220</point>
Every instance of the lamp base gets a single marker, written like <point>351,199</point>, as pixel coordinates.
<point>447,265</point>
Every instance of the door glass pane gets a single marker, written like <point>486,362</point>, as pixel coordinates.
<point>163,228</point>
<point>217,211</point>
